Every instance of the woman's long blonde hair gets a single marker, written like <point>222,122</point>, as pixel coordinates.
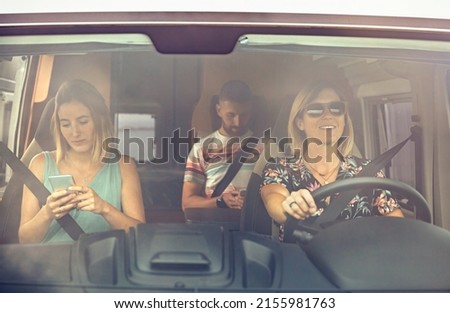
<point>88,95</point>
<point>305,96</point>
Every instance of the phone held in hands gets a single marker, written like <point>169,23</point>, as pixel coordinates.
<point>61,182</point>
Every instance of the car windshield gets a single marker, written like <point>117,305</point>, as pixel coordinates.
<point>166,96</point>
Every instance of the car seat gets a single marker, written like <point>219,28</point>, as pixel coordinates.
<point>254,216</point>
<point>10,205</point>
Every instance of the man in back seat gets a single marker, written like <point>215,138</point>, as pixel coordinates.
<point>211,158</point>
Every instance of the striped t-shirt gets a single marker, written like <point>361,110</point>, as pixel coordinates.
<point>210,158</point>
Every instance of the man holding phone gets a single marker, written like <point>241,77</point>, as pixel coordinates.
<point>211,158</point>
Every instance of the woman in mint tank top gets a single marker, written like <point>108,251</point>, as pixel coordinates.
<point>106,194</point>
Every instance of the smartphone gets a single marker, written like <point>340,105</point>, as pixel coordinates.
<point>60,182</point>
<point>242,192</point>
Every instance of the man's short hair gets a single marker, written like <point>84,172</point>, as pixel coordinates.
<point>235,91</point>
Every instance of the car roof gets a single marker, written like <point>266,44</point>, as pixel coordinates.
<point>428,9</point>
<point>206,20</point>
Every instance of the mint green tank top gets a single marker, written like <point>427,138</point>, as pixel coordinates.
<point>107,183</point>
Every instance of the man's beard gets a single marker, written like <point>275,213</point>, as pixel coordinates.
<point>235,131</point>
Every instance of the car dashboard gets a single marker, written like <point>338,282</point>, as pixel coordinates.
<point>207,257</point>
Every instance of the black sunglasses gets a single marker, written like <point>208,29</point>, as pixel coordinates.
<point>336,108</point>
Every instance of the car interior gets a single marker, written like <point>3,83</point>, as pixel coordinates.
<point>398,89</point>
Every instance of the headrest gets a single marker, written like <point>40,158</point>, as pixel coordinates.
<point>215,120</point>
<point>279,131</point>
<point>43,134</point>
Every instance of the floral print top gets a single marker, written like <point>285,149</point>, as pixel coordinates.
<point>294,175</point>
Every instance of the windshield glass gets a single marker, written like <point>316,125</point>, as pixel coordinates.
<point>151,137</point>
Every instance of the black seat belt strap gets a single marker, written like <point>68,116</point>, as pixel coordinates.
<point>341,201</point>
<point>232,169</point>
<point>229,175</point>
<point>38,189</point>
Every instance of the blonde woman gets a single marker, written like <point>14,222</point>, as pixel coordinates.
<point>321,132</point>
<point>105,195</point>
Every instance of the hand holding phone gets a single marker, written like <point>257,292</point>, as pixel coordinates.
<point>239,192</point>
<point>58,183</point>
<point>61,182</point>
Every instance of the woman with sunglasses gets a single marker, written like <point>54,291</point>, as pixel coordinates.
<point>321,135</point>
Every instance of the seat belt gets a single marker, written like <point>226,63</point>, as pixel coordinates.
<point>232,170</point>
<point>38,189</point>
<point>335,208</point>
<point>331,213</point>
<point>229,175</point>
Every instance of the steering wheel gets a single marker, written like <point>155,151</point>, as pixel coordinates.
<point>297,228</point>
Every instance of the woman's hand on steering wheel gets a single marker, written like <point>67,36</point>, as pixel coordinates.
<point>300,205</point>
<point>422,209</point>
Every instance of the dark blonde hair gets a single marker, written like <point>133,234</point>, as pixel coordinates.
<point>307,94</point>
<point>85,93</point>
